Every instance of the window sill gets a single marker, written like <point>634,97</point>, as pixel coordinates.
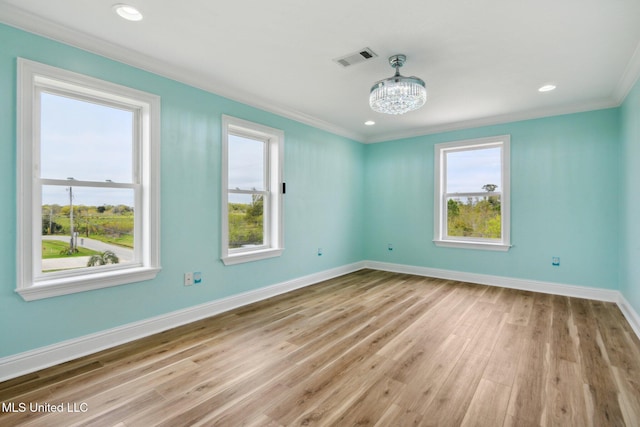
<point>500,247</point>
<point>70,285</point>
<point>240,258</point>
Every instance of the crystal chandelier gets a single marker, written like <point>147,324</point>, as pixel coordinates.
<point>397,94</point>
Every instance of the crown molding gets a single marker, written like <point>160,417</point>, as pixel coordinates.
<point>495,120</point>
<point>17,18</point>
<point>629,77</point>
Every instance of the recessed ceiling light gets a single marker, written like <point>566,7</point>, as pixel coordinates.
<point>128,12</point>
<point>369,123</point>
<point>546,88</point>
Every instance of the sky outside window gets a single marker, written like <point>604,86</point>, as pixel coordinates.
<point>469,170</point>
<point>246,165</point>
<point>87,142</point>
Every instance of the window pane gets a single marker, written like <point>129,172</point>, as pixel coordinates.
<point>83,140</point>
<point>246,220</point>
<point>474,217</point>
<point>246,163</point>
<point>103,223</point>
<point>469,170</point>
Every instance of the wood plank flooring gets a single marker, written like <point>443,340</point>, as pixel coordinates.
<point>368,349</point>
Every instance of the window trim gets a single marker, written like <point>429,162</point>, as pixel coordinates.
<point>33,77</point>
<point>440,206</point>
<point>274,158</point>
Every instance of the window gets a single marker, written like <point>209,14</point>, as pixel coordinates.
<point>88,187</point>
<point>472,194</point>
<point>252,191</point>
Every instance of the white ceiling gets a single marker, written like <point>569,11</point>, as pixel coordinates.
<point>482,60</point>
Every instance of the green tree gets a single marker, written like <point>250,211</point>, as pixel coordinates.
<point>106,257</point>
<point>256,208</point>
<point>477,217</point>
<point>121,209</point>
<point>68,250</point>
<point>49,226</point>
<point>246,222</point>
<point>453,209</point>
<point>493,227</point>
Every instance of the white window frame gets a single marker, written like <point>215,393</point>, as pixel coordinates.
<point>273,243</point>
<point>441,237</point>
<point>32,284</point>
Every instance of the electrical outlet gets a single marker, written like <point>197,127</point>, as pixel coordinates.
<point>319,251</point>
<point>188,279</point>
<point>197,278</point>
<point>390,247</point>
<point>555,261</point>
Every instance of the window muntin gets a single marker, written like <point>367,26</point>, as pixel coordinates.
<point>89,143</point>
<point>252,197</point>
<point>472,193</point>
<point>87,183</point>
<point>248,192</point>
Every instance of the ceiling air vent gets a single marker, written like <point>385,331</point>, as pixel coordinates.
<point>356,57</point>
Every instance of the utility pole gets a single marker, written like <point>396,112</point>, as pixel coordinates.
<point>71,242</point>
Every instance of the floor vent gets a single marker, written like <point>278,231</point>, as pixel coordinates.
<point>355,58</point>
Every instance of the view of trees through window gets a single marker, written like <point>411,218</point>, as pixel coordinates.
<point>473,194</point>
<point>477,216</point>
<point>247,190</point>
<point>101,235</point>
<point>87,192</point>
<point>246,223</point>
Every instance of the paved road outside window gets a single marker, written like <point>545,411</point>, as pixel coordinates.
<point>124,254</point>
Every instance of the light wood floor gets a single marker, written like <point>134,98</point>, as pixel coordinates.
<point>369,348</point>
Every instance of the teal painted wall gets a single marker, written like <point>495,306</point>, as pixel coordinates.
<point>323,204</point>
<point>630,198</point>
<point>347,198</point>
<point>564,201</point>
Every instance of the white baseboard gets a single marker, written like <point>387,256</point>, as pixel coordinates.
<point>630,314</point>
<point>504,282</point>
<point>44,357</point>
<point>523,284</point>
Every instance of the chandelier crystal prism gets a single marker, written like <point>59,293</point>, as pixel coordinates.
<point>397,94</point>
